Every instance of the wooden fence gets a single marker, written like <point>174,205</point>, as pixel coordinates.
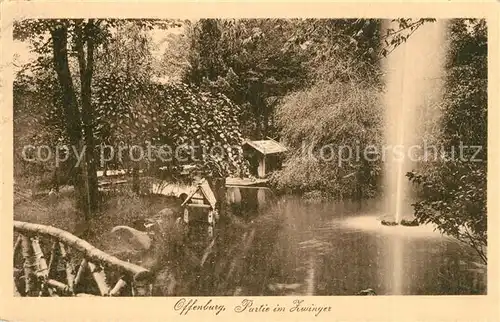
<point>74,267</point>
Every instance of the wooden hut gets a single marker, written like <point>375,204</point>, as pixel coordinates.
<point>264,156</point>
<point>200,204</point>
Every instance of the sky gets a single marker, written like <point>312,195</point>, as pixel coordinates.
<point>22,53</point>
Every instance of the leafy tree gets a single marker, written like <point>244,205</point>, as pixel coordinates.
<point>77,120</point>
<point>127,51</point>
<point>58,43</point>
<point>174,62</point>
<point>246,60</point>
<point>28,104</point>
<point>350,50</point>
<point>453,189</point>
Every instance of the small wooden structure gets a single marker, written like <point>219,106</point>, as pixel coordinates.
<point>264,156</point>
<point>201,201</point>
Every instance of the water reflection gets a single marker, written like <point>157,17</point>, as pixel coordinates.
<point>299,248</point>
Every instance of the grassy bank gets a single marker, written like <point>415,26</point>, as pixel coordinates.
<point>117,209</point>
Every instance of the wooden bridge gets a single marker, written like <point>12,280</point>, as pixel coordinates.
<point>74,267</point>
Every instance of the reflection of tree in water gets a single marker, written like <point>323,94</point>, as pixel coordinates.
<point>266,255</point>
<point>238,260</point>
<point>248,202</point>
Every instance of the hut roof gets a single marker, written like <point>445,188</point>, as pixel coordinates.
<point>266,146</point>
<point>205,190</point>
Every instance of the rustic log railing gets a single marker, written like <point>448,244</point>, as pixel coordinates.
<point>84,269</point>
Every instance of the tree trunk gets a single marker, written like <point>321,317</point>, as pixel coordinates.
<point>135,179</point>
<point>86,70</point>
<point>265,121</point>
<point>55,179</point>
<point>218,186</point>
<point>71,114</point>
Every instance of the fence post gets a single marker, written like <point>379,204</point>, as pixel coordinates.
<point>29,265</point>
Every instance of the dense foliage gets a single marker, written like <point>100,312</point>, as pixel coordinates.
<point>324,126</point>
<point>453,189</point>
<point>170,117</point>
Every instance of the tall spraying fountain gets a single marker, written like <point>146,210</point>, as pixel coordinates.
<point>413,80</point>
<point>412,77</point>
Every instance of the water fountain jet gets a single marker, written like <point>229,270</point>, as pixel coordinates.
<point>408,100</point>
<point>412,78</point>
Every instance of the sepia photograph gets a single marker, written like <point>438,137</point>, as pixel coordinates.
<point>249,157</point>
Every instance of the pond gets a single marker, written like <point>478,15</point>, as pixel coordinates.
<point>301,248</point>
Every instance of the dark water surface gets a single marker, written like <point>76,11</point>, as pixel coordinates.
<point>300,248</point>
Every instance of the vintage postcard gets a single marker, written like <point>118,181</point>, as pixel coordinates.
<point>249,161</point>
